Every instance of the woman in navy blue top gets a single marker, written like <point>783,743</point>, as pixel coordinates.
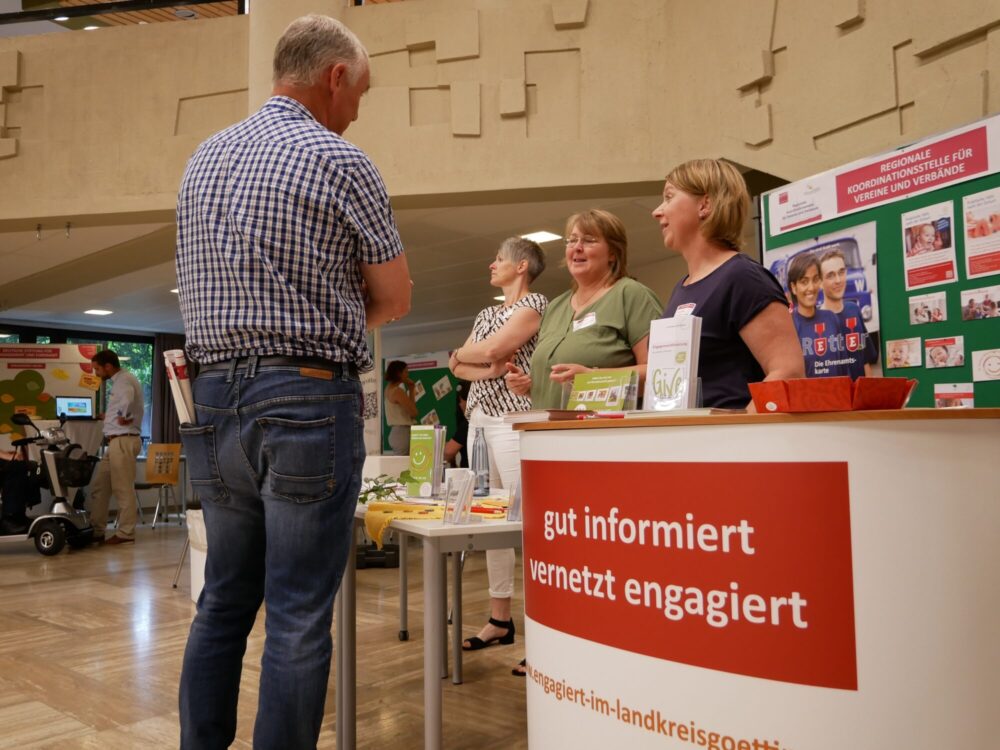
<point>746,332</point>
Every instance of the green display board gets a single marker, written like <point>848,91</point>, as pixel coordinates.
<point>920,231</point>
<point>436,398</point>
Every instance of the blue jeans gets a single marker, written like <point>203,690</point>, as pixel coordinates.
<point>276,461</point>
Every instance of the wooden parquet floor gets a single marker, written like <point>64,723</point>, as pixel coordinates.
<point>91,644</point>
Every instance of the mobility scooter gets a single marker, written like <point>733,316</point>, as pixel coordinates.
<point>63,465</point>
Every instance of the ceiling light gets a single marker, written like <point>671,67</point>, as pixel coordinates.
<point>6,335</point>
<point>501,298</point>
<point>62,18</point>
<point>97,312</point>
<point>185,13</point>
<point>175,291</point>
<point>91,28</point>
<point>542,236</point>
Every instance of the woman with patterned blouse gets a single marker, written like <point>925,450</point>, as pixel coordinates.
<point>501,333</point>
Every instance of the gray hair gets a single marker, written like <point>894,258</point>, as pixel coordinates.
<point>313,43</point>
<point>516,249</point>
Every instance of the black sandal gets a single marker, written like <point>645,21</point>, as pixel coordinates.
<point>519,670</point>
<point>476,643</point>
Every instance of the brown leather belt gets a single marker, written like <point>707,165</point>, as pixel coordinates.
<point>109,438</point>
<point>309,363</point>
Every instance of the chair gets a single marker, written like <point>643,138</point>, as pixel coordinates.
<point>163,461</point>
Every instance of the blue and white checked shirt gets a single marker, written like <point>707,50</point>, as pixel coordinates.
<point>274,216</point>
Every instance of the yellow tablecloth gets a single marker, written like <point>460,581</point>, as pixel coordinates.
<point>378,516</point>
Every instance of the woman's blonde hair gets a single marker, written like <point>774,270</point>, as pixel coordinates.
<point>727,191</point>
<point>605,224</point>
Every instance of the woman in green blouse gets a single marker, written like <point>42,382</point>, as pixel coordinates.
<point>603,320</point>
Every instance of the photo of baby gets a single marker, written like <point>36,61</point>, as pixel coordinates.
<point>929,255</point>
<point>430,418</point>
<point>923,238</point>
<point>981,212</point>
<point>976,227</point>
<point>902,353</point>
<point>945,352</point>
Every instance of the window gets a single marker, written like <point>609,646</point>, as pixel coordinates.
<point>137,358</point>
<point>136,353</point>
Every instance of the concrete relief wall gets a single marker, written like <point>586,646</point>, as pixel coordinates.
<point>499,95</point>
<point>488,95</point>
<point>578,92</point>
<point>809,86</point>
<point>102,123</point>
<point>10,92</point>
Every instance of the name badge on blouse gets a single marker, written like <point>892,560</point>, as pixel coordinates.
<point>585,322</point>
<point>686,309</point>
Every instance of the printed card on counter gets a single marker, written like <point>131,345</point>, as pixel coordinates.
<point>606,390</point>
<point>672,370</point>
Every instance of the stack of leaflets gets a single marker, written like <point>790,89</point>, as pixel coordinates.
<point>672,368</point>
<point>604,390</point>
<point>426,460</point>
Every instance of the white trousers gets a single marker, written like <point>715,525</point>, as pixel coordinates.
<point>399,439</point>
<point>504,449</point>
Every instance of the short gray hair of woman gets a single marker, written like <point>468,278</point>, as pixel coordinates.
<point>313,43</point>
<point>516,249</point>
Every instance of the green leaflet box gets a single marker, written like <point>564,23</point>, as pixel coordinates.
<point>421,461</point>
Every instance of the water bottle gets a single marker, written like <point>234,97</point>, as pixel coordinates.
<point>480,464</point>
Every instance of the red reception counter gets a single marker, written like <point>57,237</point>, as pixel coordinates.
<point>757,582</point>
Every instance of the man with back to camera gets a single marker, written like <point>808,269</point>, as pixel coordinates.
<point>857,344</point>
<point>286,250</point>
<point>115,473</point>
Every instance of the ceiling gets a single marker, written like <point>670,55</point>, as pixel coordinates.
<point>76,23</point>
<point>157,15</point>
<point>448,250</point>
<point>182,12</point>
